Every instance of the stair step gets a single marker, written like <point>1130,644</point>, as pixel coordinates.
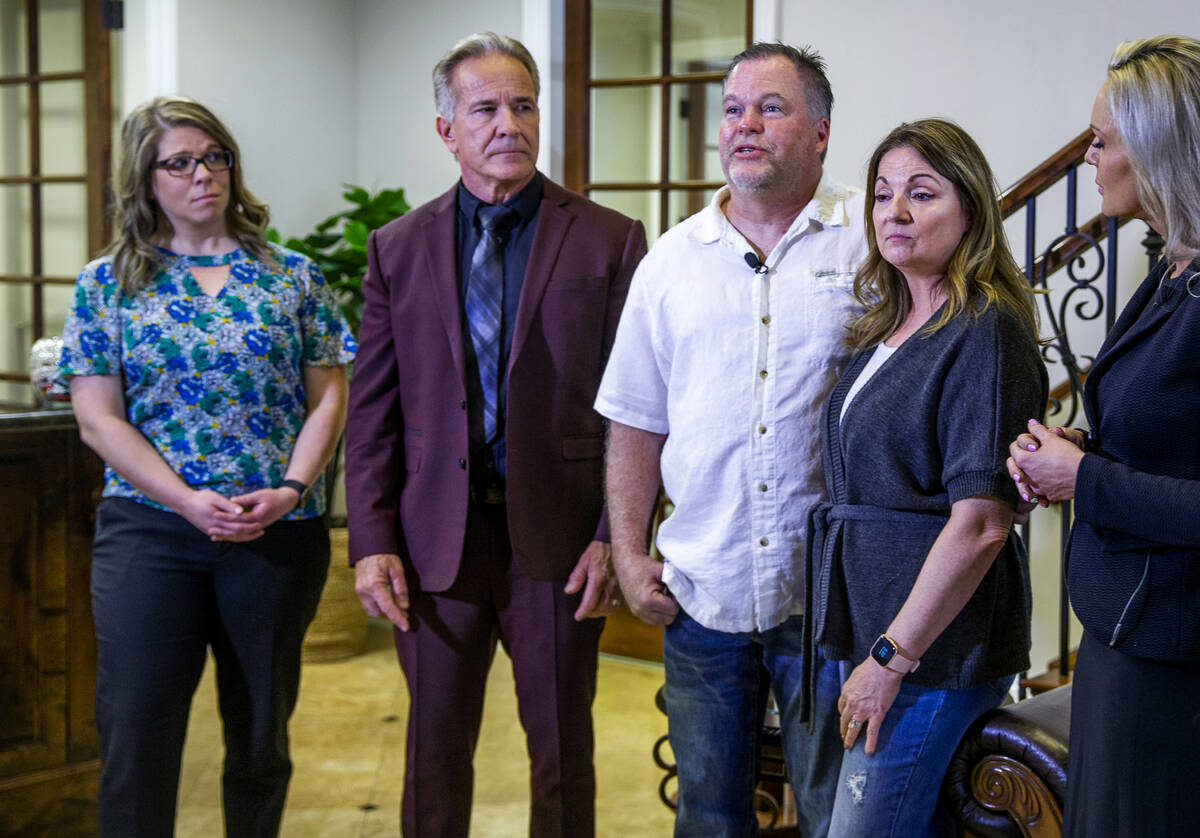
<point>1051,678</point>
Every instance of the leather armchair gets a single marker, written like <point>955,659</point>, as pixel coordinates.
<point>1009,775</point>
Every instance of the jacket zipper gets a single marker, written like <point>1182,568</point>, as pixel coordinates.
<point>1125,610</point>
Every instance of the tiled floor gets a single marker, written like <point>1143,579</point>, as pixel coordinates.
<point>348,749</point>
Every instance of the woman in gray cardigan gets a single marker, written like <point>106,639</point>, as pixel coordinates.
<point>914,559</point>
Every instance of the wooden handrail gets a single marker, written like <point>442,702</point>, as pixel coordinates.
<point>1050,172</point>
<point>1053,169</point>
<point>1059,392</point>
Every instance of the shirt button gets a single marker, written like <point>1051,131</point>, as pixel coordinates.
<point>762,487</point>
<point>762,373</point>
<point>766,320</point>
<point>462,463</point>
<point>762,429</point>
<point>764,541</point>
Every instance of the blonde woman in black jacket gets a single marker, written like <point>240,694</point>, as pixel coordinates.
<point>1134,562</point>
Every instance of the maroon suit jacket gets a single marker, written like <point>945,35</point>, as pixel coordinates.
<point>406,435</point>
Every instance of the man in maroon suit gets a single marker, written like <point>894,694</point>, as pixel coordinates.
<point>473,466</point>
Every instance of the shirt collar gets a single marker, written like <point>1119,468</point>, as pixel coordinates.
<point>524,202</point>
<point>829,207</point>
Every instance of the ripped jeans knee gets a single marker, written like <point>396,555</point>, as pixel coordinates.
<point>895,791</point>
<point>856,787</point>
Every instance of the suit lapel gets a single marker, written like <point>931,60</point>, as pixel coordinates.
<point>1129,326</point>
<point>554,219</point>
<point>441,259</point>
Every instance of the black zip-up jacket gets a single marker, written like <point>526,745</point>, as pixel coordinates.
<point>1134,560</point>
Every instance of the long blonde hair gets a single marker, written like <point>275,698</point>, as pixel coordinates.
<point>1153,93</point>
<point>137,216</point>
<point>981,265</point>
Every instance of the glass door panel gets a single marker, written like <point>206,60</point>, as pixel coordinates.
<point>695,121</point>
<point>64,215</point>
<point>14,234</point>
<point>634,153</point>
<point>641,204</point>
<point>55,147</point>
<point>626,38</point>
<point>63,134</point>
<point>706,30</point>
<point>625,134</point>
<point>14,130</point>
<point>60,36</point>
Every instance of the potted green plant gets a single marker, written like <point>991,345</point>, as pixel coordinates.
<point>339,243</point>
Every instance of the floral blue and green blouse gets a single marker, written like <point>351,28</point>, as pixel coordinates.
<point>214,382</point>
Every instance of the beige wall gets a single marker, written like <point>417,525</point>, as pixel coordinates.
<point>398,44</point>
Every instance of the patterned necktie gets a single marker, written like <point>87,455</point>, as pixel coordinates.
<point>484,304</point>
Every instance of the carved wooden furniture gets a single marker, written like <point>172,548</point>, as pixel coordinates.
<point>1009,775</point>
<point>49,746</point>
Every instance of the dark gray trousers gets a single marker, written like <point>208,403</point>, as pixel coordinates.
<point>162,595</point>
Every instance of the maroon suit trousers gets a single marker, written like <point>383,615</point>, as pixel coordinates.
<point>446,657</point>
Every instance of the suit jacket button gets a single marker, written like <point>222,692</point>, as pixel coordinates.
<point>462,463</point>
<point>463,404</point>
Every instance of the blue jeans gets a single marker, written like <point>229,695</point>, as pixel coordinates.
<point>895,791</point>
<point>716,695</point>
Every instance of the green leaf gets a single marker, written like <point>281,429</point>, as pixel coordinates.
<point>355,233</point>
<point>356,194</point>
<point>350,284</point>
<point>338,243</point>
<point>302,246</point>
<point>322,241</point>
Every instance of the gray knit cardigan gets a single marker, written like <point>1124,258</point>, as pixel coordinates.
<point>931,427</point>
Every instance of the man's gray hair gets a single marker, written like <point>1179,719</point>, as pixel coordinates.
<point>473,46</point>
<point>808,63</point>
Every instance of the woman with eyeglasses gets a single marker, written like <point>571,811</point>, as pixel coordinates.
<point>208,369</point>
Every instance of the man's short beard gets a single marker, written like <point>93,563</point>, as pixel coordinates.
<point>759,182</point>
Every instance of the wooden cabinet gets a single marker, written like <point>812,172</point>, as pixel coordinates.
<point>49,747</point>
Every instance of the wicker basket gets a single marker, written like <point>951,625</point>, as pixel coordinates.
<point>339,630</point>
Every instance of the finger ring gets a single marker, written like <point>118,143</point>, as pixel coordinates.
<point>616,603</point>
<point>854,724</point>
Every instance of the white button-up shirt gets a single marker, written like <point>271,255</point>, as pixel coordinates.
<point>734,367</point>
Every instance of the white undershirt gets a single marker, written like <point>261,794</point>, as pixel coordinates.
<point>881,354</point>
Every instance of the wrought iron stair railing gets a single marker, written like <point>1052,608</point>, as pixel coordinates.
<point>1080,300</point>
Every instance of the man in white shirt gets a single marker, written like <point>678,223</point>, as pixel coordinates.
<point>731,339</point>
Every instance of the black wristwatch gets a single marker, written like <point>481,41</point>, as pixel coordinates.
<point>299,487</point>
<point>888,654</point>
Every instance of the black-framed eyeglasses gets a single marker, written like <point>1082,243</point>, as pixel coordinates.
<point>183,165</point>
